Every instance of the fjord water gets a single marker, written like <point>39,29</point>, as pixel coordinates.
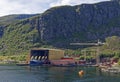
<point>54,74</point>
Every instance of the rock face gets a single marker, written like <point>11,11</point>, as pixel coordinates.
<point>115,0</point>
<point>86,22</point>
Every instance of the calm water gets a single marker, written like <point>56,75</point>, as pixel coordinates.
<point>54,74</point>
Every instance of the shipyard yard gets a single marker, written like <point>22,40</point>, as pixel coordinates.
<point>60,41</point>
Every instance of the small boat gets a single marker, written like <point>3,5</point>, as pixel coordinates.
<point>36,63</point>
<point>111,70</point>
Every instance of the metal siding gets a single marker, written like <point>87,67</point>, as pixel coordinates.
<point>55,54</point>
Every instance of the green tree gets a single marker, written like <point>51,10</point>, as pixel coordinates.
<point>113,43</point>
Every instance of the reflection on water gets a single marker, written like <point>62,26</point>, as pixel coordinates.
<point>54,74</point>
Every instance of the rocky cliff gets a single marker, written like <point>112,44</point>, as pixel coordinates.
<point>86,22</point>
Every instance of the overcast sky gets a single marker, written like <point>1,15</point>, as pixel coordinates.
<point>35,6</point>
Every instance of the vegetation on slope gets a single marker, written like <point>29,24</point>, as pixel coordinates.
<point>62,25</point>
<point>13,18</point>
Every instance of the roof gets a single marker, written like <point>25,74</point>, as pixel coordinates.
<point>46,49</point>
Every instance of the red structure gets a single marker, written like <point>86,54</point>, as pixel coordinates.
<point>64,61</point>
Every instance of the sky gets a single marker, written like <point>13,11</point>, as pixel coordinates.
<point>8,7</point>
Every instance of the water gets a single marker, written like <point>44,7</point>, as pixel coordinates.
<point>54,74</point>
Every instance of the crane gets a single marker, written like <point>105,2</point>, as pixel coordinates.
<point>88,44</point>
<point>91,44</point>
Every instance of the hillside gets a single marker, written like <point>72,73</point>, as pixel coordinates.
<point>13,18</point>
<point>10,33</point>
<point>59,26</point>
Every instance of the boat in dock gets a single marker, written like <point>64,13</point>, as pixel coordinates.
<point>115,70</point>
<point>43,56</point>
<point>36,63</point>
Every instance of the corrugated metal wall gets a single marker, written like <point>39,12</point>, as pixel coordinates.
<point>55,54</point>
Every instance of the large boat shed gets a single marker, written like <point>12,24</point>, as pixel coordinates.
<point>46,54</point>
